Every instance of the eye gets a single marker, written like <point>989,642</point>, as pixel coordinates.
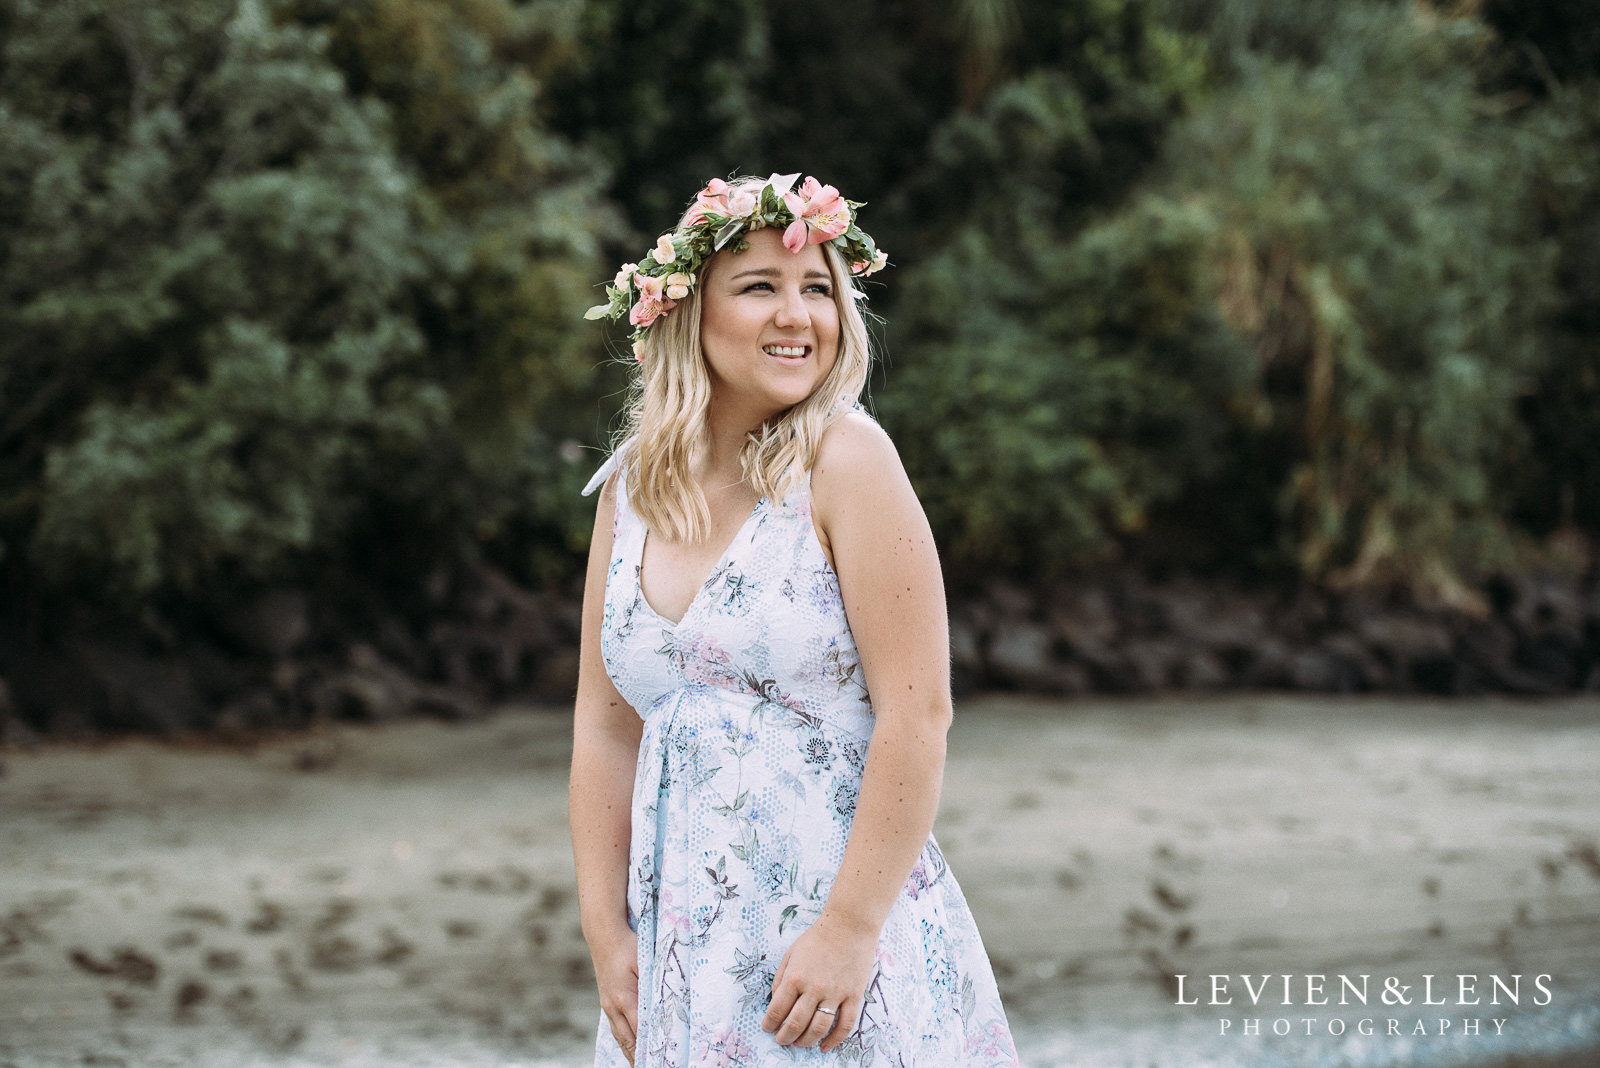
<point>757,285</point>
<point>820,287</point>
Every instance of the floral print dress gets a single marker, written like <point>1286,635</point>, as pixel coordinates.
<point>757,723</point>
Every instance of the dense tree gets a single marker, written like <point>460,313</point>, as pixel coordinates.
<point>249,315</point>
<point>291,288</point>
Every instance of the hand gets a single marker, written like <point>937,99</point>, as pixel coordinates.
<point>616,972</point>
<point>827,967</point>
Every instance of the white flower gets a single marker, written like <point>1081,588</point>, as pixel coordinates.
<point>664,251</point>
<point>742,204</point>
<point>677,292</point>
<point>678,285</point>
<point>624,277</point>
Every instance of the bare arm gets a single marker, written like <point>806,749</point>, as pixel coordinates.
<point>893,593</point>
<point>605,748</point>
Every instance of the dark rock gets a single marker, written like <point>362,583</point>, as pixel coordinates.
<point>557,674</point>
<point>1071,680</point>
<point>1083,619</point>
<point>1020,653</point>
<point>1152,662</point>
<point>142,692</point>
<point>1271,664</point>
<point>1307,614</point>
<point>1201,670</point>
<point>53,692</point>
<point>1488,649</point>
<point>1010,599</point>
<point>1370,674</point>
<point>275,623</point>
<point>1405,639</point>
<point>372,689</point>
<point>1108,669</point>
<point>1554,658</point>
<point>1139,611</point>
<point>1323,670</point>
<point>1235,628</point>
<point>443,702</point>
<point>1546,602</point>
<point>966,654</point>
<point>217,677</point>
<point>1184,606</point>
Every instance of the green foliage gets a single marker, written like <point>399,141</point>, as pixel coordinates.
<point>205,243</point>
<point>1376,248</point>
<point>1055,375</point>
<point>295,287</point>
<point>1057,392</point>
<point>238,313</point>
<point>1549,72</point>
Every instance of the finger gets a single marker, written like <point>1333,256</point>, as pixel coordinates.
<point>783,966</point>
<point>821,1023</point>
<point>624,1043</point>
<point>783,999</point>
<point>799,1018</point>
<point>845,1026</point>
<point>623,1033</point>
<point>630,1010</point>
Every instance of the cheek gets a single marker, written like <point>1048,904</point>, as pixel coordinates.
<point>729,323</point>
<point>827,328</point>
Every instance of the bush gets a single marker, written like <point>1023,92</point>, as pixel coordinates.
<point>246,325</point>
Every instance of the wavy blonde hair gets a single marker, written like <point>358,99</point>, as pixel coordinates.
<point>669,395</point>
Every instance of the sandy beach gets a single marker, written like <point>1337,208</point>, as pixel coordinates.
<point>403,895</point>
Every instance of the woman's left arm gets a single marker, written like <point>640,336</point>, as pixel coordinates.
<point>893,592</point>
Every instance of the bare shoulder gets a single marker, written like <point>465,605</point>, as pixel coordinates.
<point>606,505</point>
<point>855,456</point>
<point>857,471</point>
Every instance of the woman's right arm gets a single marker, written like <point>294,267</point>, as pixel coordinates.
<point>605,749</point>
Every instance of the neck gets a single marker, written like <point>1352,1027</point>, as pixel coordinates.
<point>728,424</point>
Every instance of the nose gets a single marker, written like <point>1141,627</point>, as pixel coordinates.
<point>791,311</point>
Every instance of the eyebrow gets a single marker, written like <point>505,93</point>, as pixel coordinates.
<point>773,272</point>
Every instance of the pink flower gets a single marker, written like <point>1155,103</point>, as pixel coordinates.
<point>653,300</point>
<point>712,200</point>
<point>645,312</point>
<point>820,214</point>
<point>742,203</point>
<point>880,260</point>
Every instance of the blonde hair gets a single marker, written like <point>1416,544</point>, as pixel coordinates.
<point>670,393</point>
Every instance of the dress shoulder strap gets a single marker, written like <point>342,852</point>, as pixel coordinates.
<point>612,461</point>
<point>600,476</point>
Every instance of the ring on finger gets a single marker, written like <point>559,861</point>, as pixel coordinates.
<point>830,1012</point>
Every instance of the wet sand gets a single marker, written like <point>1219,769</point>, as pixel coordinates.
<point>403,895</point>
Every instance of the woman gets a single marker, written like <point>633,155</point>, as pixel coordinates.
<point>758,885</point>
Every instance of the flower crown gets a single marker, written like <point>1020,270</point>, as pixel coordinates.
<point>721,212</point>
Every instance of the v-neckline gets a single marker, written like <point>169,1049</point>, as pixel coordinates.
<point>699,590</point>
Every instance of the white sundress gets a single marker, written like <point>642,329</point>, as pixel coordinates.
<point>756,728</point>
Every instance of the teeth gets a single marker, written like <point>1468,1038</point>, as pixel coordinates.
<point>784,350</point>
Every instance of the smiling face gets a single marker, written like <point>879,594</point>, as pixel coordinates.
<point>769,324</point>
